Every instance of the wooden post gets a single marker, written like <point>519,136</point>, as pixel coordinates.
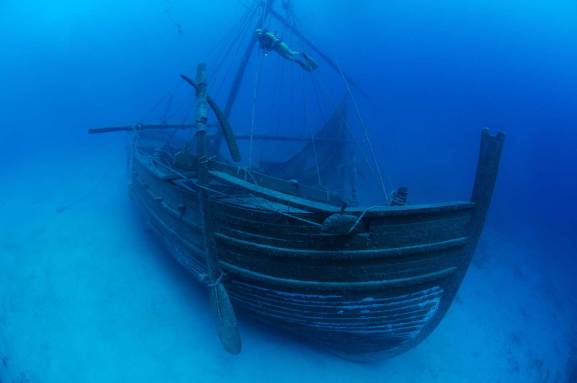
<point>201,112</point>
<point>219,299</point>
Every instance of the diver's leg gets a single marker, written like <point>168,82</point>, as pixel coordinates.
<point>283,50</point>
<point>301,58</point>
<point>306,62</point>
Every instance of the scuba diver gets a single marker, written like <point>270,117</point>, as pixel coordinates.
<point>270,41</point>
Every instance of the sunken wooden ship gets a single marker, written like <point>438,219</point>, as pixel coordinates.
<point>358,281</point>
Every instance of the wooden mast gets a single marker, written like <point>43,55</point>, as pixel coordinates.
<point>238,78</point>
<point>267,7</point>
<point>219,299</point>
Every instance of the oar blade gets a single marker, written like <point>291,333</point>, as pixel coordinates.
<point>225,319</point>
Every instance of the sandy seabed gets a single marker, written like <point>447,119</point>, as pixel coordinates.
<point>88,295</point>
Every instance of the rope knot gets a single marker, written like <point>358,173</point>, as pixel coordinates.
<point>205,160</point>
<point>216,282</point>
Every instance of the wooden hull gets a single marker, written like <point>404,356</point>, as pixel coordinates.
<point>379,289</point>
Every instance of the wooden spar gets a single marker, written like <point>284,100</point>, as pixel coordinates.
<point>273,195</point>
<point>316,49</point>
<point>222,121</point>
<point>130,128</point>
<point>219,298</point>
<point>263,137</point>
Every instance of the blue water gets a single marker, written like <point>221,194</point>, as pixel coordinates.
<point>88,295</point>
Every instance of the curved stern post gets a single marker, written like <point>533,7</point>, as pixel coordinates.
<point>482,194</point>
<point>485,178</point>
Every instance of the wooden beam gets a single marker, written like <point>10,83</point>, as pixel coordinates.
<point>137,127</point>
<point>273,195</point>
<point>265,137</point>
<point>258,137</point>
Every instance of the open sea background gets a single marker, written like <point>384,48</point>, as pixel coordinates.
<point>88,295</point>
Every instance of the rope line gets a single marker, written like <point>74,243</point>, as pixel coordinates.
<point>253,112</point>
<point>366,134</point>
<point>360,218</point>
<point>313,142</point>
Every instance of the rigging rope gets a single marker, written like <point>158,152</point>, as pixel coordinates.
<point>366,134</point>
<point>147,114</point>
<point>232,49</point>
<point>246,17</point>
<point>362,215</point>
<point>320,88</point>
<point>313,141</point>
<point>265,11</point>
<point>170,15</point>
<point>253,113</point>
